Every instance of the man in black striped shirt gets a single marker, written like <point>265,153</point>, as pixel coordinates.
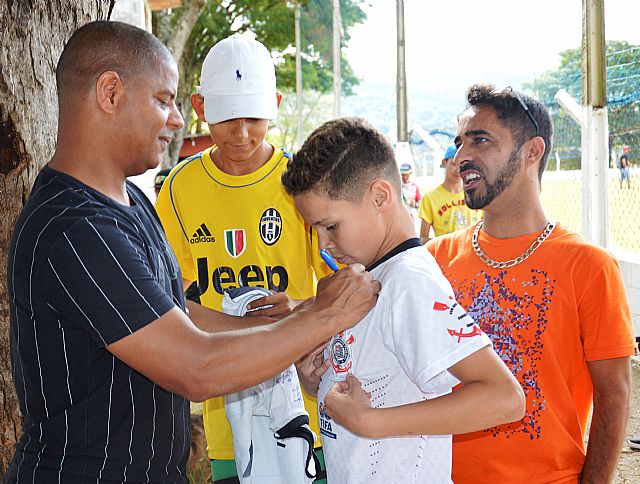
<point>103,353</point>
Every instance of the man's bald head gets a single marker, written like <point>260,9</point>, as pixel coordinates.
<point>103,46</point>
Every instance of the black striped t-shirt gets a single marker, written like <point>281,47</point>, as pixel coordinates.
<point>85,271</point>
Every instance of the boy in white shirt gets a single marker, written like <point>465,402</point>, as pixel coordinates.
<point>412,347</point>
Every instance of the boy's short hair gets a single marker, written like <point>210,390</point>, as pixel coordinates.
<point>340,159</point>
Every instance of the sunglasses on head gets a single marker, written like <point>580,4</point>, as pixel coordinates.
<point>509,90</point>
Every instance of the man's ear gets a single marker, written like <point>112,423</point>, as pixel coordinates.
<point>534,150</point>
<point>382,194</point>
<point>197,102</point>
<point>109,91</point>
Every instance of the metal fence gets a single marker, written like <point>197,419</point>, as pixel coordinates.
<point>562,182</point>
<point>427,149</point>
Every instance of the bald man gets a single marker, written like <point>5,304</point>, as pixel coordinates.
<point>104,354</point>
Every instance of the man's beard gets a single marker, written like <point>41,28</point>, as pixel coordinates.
<point>476,200</point>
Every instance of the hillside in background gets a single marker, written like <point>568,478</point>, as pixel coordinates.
<point>377,103</point>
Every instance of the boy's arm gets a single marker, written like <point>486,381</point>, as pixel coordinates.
<point>490,396</point>
<point>311,367</point>
<point>211,321</point>
<point>426,219</point>
<point>425,227</point>
<point>280,305</point>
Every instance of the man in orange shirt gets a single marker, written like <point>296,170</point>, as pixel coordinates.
<point>553,304</point>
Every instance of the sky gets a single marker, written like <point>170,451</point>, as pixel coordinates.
<point>451,44</point>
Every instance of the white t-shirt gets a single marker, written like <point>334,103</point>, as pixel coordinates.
<point>400,352</point>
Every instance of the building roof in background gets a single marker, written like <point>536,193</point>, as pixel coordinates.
<point>162,4</point>
<point>193,144</point>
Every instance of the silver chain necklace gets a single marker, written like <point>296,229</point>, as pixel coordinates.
<point>509,263</point>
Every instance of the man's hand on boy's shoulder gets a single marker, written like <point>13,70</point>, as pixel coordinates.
<point>311,367</point>
<point>350,406</point>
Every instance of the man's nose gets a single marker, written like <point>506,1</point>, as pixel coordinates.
<point>462,155</point>
<point>175,121</point>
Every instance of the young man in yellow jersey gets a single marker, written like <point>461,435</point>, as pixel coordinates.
<point>444,208</point>
<point>227,216</point>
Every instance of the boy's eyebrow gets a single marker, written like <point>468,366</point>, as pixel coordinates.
<point>319,222</point>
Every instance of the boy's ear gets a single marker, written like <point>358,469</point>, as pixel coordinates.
<point>382,194</point>
<point>197,102</point>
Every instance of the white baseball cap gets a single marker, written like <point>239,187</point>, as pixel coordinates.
<point>238,81</point>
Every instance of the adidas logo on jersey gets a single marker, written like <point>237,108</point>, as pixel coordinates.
<point>202,235</point>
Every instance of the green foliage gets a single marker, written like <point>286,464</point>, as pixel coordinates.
<point>316,108</point>
<point>623,101</point>
<point>623,72</point>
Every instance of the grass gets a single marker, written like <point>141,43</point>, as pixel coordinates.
<point>562,201</point>
<point>200,473</point>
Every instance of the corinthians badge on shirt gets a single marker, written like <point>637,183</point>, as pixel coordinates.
<point>270,226</point>
<point>341,356</point>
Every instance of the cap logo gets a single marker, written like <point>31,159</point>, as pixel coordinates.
<point>238,75</point>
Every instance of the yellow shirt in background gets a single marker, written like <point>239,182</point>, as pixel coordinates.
<point>446,211</point>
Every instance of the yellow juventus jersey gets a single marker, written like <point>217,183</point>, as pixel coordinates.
<point>229,231</point>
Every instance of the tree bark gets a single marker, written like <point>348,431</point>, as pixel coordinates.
<point>191,11</point>
<point>176,38</point>
<point>31,39</point>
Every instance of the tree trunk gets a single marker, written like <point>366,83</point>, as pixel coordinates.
<point>31,40</point>
<point>176,38</point>
<point>191,10</point>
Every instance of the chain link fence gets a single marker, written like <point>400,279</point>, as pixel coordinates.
<point>562,182</point>
<point>427,149</point>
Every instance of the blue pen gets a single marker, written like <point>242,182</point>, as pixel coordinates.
<point>329,260</point>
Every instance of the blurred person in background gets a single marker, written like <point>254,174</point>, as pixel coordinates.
<point>410,191</point>
<point>624,170</point>
<point>444,209</point>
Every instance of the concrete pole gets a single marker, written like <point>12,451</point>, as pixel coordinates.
<point>595,132</point>
<point>401,82</point>
<point>299,132</point>
<point>337,35</point>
